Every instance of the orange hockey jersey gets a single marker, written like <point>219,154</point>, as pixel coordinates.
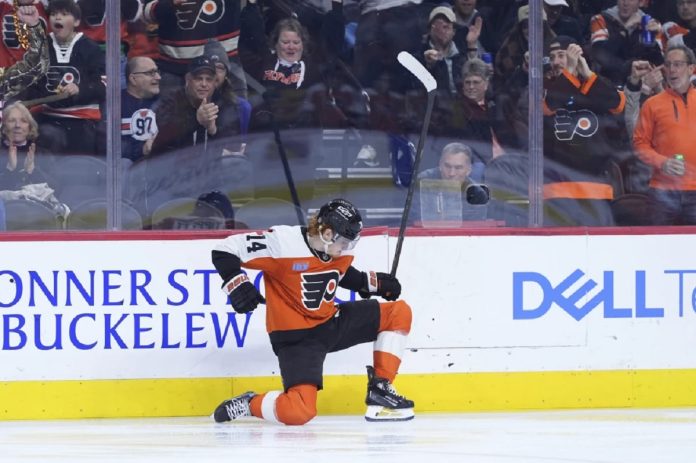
<point>299,287</point>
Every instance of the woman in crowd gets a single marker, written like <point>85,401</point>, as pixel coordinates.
<point>293,94</point>
<point>20,165</point>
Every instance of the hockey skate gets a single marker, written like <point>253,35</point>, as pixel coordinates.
<point>383,402</point>
<point>233,408</point>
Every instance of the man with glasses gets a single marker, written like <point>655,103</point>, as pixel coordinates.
<point>138,127</point>
<point>138,122</point>
<point>475,119</point>
<point>665,139</point>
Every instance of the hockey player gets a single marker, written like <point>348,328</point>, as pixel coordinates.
<point>302,268</point>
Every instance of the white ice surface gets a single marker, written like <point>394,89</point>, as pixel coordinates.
<point>596,436</point>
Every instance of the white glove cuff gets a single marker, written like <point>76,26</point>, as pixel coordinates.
<point>234,283</point>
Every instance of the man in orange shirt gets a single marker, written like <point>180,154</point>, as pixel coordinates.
<point>664,138</point>
<point>302,269</point>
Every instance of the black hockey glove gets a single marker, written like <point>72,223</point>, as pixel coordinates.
<point>381,284</point>
<point>243,294</point>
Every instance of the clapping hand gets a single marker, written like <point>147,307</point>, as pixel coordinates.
<point>206,115</point>
<point>12,153</point>
<point>30,161</point>
<point>577,65</point>
<point>652,80</point>
<point>474,32</point>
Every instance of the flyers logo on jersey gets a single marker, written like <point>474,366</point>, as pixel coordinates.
<point>60,75</point>
<point>567,124</point>
<point>318,287</point>
<point>191,12</point>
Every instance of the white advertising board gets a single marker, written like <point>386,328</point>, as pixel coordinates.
<point>153,309</point>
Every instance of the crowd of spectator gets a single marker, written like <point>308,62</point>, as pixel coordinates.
<point>237,96</point>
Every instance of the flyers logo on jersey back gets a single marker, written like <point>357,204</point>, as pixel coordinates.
<point>318,287</point>
<point>190,13</point>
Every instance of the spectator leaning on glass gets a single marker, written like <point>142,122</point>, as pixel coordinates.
<point>454,164</point>
<point>665,139</point>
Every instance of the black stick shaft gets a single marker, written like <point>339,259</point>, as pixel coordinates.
<point>45,99</point>
<point>286,164</point>
<point>412,185</point>
<point>288,174</point>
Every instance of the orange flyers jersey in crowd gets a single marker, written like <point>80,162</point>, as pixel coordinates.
<point>10,49</point>
<point>299,287</point>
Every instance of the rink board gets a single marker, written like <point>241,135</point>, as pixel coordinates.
<point>137,325</point>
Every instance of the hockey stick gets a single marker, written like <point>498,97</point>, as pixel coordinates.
<point>45,100</point>
<point>416,68</point>
<point>253,83</point>
<point>356,82</point>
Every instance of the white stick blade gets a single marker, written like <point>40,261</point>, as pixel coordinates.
<point>414,66</point>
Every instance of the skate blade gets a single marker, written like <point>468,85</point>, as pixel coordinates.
<point>379,413</point>
<point>212,417</point>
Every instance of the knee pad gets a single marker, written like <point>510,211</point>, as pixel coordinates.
<point>298,405</point>
<point>395,316</point>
